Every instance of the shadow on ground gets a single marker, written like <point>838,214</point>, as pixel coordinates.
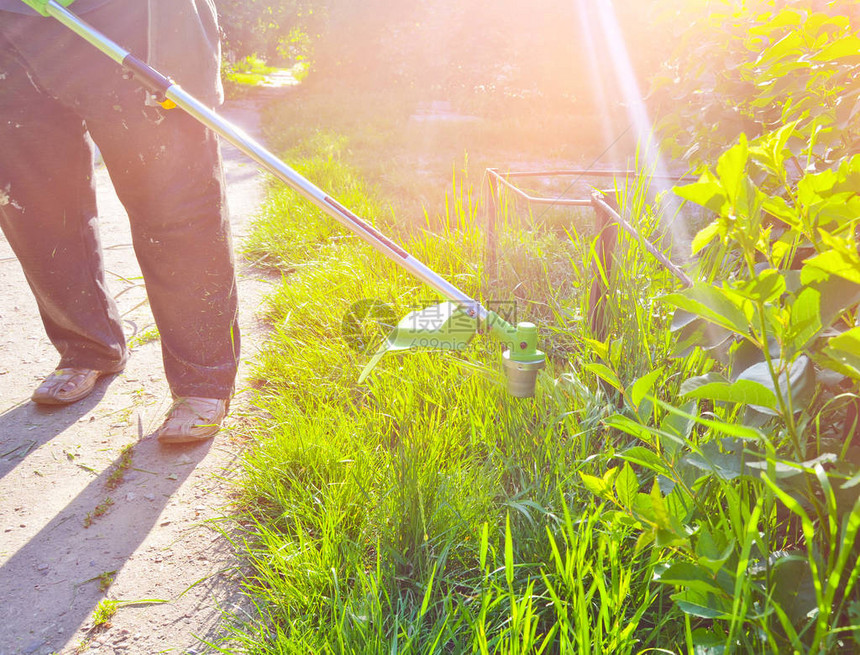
<point>55,579</point>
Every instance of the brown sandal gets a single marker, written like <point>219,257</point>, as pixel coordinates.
<point>67,385</point>
<point>192,418</point>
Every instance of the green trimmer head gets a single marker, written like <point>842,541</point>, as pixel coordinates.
<point>447,326</point>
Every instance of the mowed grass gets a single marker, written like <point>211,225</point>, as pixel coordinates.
<point>426,510</point>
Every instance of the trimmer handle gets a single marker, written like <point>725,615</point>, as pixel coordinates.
<point>42,5</point>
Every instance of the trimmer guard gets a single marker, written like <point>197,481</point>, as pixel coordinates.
<point>441,327</point>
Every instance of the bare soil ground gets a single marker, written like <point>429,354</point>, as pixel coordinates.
<point>70,535</point>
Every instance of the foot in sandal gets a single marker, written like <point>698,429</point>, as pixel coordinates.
<point>68,385</point>
<point>192,418</point>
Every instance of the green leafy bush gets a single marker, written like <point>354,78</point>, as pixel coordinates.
<point>744,472</point>
<point>752,67</point>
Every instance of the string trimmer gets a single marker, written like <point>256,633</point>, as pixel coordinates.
<point>447,326</point>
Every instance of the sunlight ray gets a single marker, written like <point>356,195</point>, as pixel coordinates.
<point>602,100</point>
<point>651,159</point>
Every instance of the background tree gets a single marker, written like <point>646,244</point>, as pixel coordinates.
<point>270,29</point>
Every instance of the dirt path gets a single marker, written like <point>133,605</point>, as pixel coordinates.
<point>158,535</point>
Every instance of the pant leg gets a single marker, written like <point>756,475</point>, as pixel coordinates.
<point>48,214</point>
<point>167,172</point>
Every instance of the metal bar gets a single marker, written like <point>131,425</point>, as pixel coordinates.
<point>492,214</point>
<point>565,202</point>
<point>598,173</point>
<point>590,172</point>
<point>596,202</point>
<point>82,29</point>
<point>280,170</point>
<point>650,247</point>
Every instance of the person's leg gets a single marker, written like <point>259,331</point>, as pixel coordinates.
<point>167,171</point>
<point>48,215</point>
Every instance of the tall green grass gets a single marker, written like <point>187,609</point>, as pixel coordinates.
<point>426,510</point>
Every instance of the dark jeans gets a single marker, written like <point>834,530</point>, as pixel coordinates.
<point>58,95</point>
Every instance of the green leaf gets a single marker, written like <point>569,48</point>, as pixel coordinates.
<point>643,507</point>
<point>731,429</point>
<point>642,386</point>
<point>814,187</point>
<point>688,575</point>
<point>775,22</point>
<point>680,507</point>
<point>604,373</point>
<point>599,348</point>
<point>669,539</point>
<point>800,379</point>
<point>793,587</point>
<point>848,342</point>
<point>634,428</point>
<point>705,236</point>
<point>726,466</point>
<point>835,262</point>
<point>790,46</point>
<point>746,354</point>
<point>846,48</point>
<point>777,207</point>
<point>643,541</point>
<point>681,319</point>
<point>677,426</point>
<point>691,384</point>
<point>706,192</point>
<point>712,554</point>
<point>595,485</point>
<point>778,143</point>
<point>627,485</point>
<point>845,349</point>
<point>849,169</point>
<point>705,642</point>
<point>509,552</point>
<point>658,506</point>
<point>485,536</point>
<point>609,476</point>
<point>646,459</point>
<point>731,169</point>
<point>701,604</point>
<point>428,592</point>
<point>766,287</point>
<point>805,320</point>
<point>719,306</point>
<point>699,333</point>
<point>836,296</point>
<point>745,392</point>
<point>784,469</point>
